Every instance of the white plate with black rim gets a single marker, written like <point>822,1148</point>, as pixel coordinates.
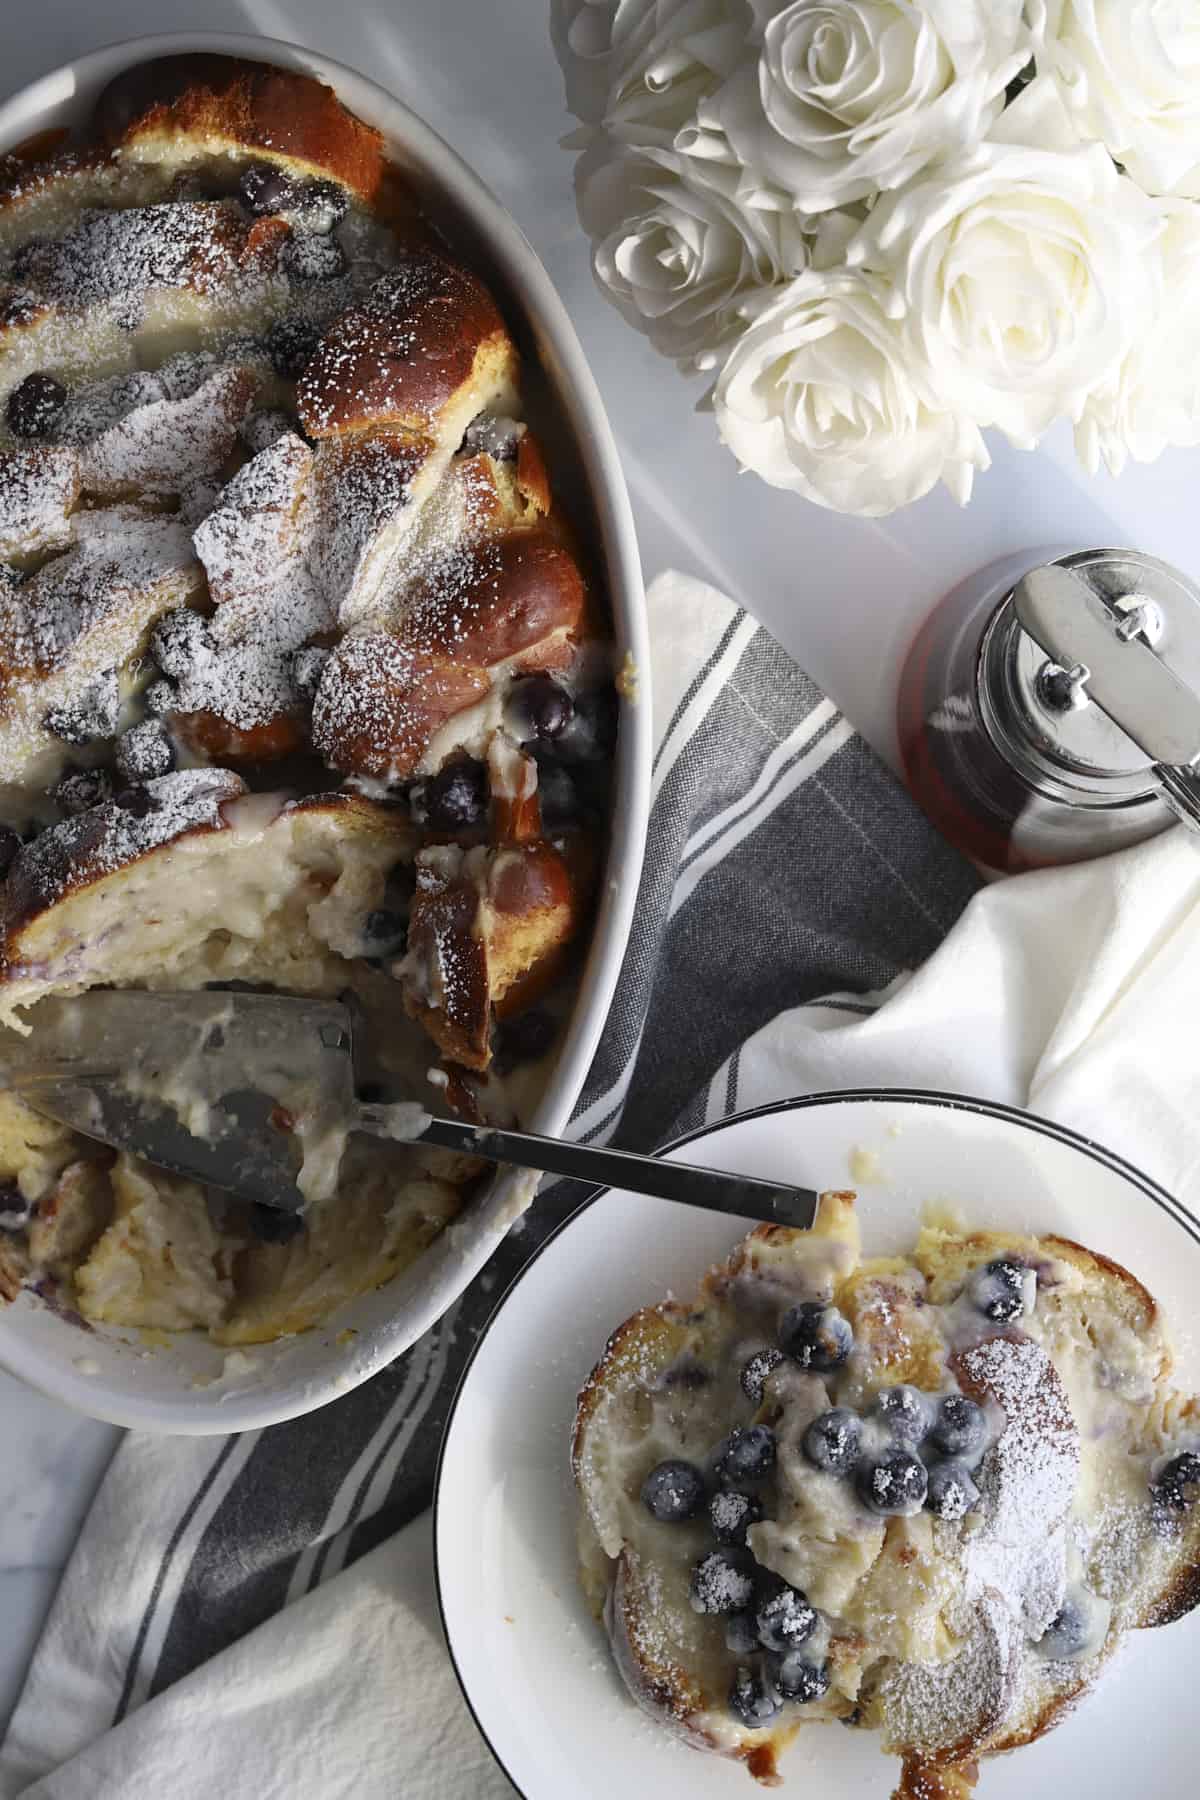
<point>534,1665</point>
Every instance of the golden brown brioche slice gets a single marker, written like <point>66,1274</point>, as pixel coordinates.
<point>504,606</point>
<point>177,110</point>
<point>425,352</point>
<point>490,929</point>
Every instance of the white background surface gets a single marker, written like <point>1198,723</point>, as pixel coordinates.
<point>843,595</point>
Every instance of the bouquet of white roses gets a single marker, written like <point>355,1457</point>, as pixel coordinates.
<point>887,225</point>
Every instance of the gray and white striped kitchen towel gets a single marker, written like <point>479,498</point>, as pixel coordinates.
<point>785,868</point>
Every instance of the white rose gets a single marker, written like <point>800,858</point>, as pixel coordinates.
<point>678,252</point>
<point>587,34</point>
<point>820,395</point>
<point>849,96</point>
<point>1026,269</point>
<point>1129,70</point>
<point>1152,401</point>
<point>640,67</point>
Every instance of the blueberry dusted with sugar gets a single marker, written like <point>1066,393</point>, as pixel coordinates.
<point>265,189</point>
<point>894,1485</point>
<point>815,1336</point>
<point>272,1225</point>
<point>159,698</point>
<point>35,405</point>
<point>904,1410</point>
<point>139,802</point>
<point>320,205</point>
<point>455,799</point>
<point>673,1491</point>
<point>998,1290</point>
<point>144,751</point>
<point>89,716</point>
<point>755,1371</point>
<point>833,1440</point>
<point>741,1634</point>
<point>10,846</point>
<point>721,1583</point>
<point>785,1619</point>
<point>313,258</point>
<point>538,707</point>
<point>952,1492</point>
<point>960,1428</point>
<point>731,1514</point>
<point>747,1454</point>
<point>798,1678</point>
<point>308,665</point>
<point>184,372</point>
<point>180,641</point>
<point>1177,1484</point>
<point>81,789</point>
<point>1078,1629</point>
<point>290,345</point>
<point>754,1700</point>
<point>259,430</point>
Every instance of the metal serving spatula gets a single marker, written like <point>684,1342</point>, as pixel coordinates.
<point>199,1083</point>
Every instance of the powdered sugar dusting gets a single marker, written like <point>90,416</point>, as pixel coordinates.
<point>163,445</point>
<point>38,489</point>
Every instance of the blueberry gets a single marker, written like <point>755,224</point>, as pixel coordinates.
<point>313,258</point>
<point>755,1371</point>
<point>1177,1484</point>
<point>538,707</point>
<point>952,1492</point>
<point>138,801</point>
<point>895,1484</point>
<point>592,731</point>
<point>731,1514</point>
<point>524,1039</point>
<point>741,1634</point>
<point>15,1210</point>
<point>144,751</point>
<point>35,405</point>
<point>816,1336</point>
<point>998,1290</point>
<point>159,698</point>
<point>754,1699</point>
<point>90,715</point>
<point>832,1441</point>
<point>180,375</point>
<point>81,789</point>
<point>797,1678</point>
<point>384,932</point>
<point>290,345</point>
<point>265,189</point>
<point>905,1412</point>
<point>673,1490</point>
<point>25,260</point>
<point>272,1225</point>
<point>322,204</point>
<point>785,1619</point>
<point>259,430</point>
<point>558,796</point>
<point>10,845</point>
<point>456,797</point>
<point>179,641</point>
<point>747,1454</point>
<point>960,1427</point>
<point>721,1583</point>
<point>308,665</point>
<point>1078,1629</point>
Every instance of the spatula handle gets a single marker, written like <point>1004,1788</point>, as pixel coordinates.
<point>741,1195</point>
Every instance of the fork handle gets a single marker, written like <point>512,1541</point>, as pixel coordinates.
<point>742,1195</point>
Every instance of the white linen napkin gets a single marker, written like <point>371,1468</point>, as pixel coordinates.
<point>1073,993</point>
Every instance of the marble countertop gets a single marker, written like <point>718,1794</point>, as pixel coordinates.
<point>843,595</point>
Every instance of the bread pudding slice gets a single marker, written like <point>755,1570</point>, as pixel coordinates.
<point>925,1495</point>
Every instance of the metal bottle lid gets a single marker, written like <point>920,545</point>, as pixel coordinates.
<point>1089,681</point>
